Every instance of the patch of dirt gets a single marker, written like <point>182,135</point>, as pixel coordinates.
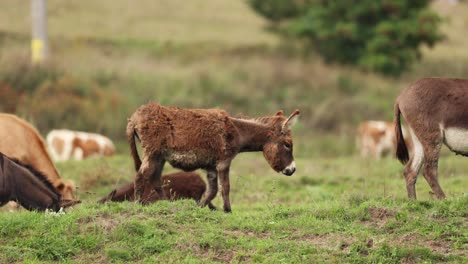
<point>329,241</point>
<point>238,233</point>
<point>441,247</point>
<point>208,252</point>
<point>379,216</point>
<point>380,213</point>
<point>91,259</point>
<point>106,222</point>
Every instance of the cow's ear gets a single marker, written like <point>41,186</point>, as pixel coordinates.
<point>61,187</point>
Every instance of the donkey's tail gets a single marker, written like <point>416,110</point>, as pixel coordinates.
<point>401,149</point>
<point>131,134</point>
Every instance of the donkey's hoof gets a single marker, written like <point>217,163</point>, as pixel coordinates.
<point>212,207</point>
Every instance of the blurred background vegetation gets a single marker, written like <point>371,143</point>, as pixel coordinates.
<point>109,57</point>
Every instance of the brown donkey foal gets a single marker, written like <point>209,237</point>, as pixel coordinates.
<point>27,186</point>
<point>206,139</point>
<point>178,185</point>
<point>436,112</point>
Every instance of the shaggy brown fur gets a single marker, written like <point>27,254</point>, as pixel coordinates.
<point>28,187</point>
<point>21,140</point>
<point>436,112</point>
<point>208,139</point>
<point>179,185</point>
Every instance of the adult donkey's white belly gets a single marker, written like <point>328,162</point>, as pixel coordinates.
<point>456,139</point>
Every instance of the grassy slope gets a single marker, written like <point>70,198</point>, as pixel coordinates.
<point>208,53</point>
<point>344,209</point>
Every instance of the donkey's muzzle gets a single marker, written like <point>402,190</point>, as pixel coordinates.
<point>289,170</point>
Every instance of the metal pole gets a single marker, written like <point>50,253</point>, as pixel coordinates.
<point>39,45</point>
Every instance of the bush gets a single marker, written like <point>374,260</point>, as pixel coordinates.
<point>77,105</point>
<point>277,10</point>
<point>378,35</point>
<point>19,79</point>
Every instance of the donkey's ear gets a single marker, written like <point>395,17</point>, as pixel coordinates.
<point>280,113</point>
<point>68,203</point>
<point>290,121</point>
<point>109,197</point>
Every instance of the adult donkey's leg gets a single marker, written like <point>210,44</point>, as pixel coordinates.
<point>211,191</point>
<point>223,173</point>
<point>413,166</point>
<point>431,153</point>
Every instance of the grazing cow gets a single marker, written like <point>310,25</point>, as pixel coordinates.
<point>67,144</point>
<point>436,113</point>
<point>206,139</point>
<point>27,186</point>
<point>377,139</point>
<point>179,185</point>
<point>20,140</point>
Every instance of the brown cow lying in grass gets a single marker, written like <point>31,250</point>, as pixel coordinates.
<point>20,140</point>
<point>206,139</point>
<point>179,185</point>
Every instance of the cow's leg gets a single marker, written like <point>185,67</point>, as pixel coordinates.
<point>211,190</point>
<point>431,152</point>
<point>223,173</point>
<point>414,165</point>
<point>379,151</point>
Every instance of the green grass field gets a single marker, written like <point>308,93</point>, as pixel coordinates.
<point>330,210</point>
<point>337,208</point>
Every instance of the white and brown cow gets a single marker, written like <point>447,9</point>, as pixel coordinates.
<point>377,139</point>
<point>67,144</point>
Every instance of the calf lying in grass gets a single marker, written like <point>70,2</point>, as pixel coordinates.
<point>179,185</point>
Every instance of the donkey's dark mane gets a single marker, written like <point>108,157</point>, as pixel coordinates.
<point>39,175</point>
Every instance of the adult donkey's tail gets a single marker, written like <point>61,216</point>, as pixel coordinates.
<point>401,149</point>
<point>131,134</point>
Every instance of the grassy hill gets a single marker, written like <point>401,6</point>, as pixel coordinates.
<point>109,57</point>
<point>332,210</point>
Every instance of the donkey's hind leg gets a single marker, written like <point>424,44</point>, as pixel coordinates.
<point>431,153</point>
<point>149,167</point>
<point>156,178</point>
<point>413,166</point>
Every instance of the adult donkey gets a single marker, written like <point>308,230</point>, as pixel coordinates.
<point>206,139</point>
<point>436,112</point>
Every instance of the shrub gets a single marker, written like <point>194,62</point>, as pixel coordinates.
<point>378,35</point>
<point>277,10</point>
<point>73,104</point>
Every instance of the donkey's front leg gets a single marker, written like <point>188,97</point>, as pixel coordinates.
<point>211,191</point>
<point>223,174</point>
